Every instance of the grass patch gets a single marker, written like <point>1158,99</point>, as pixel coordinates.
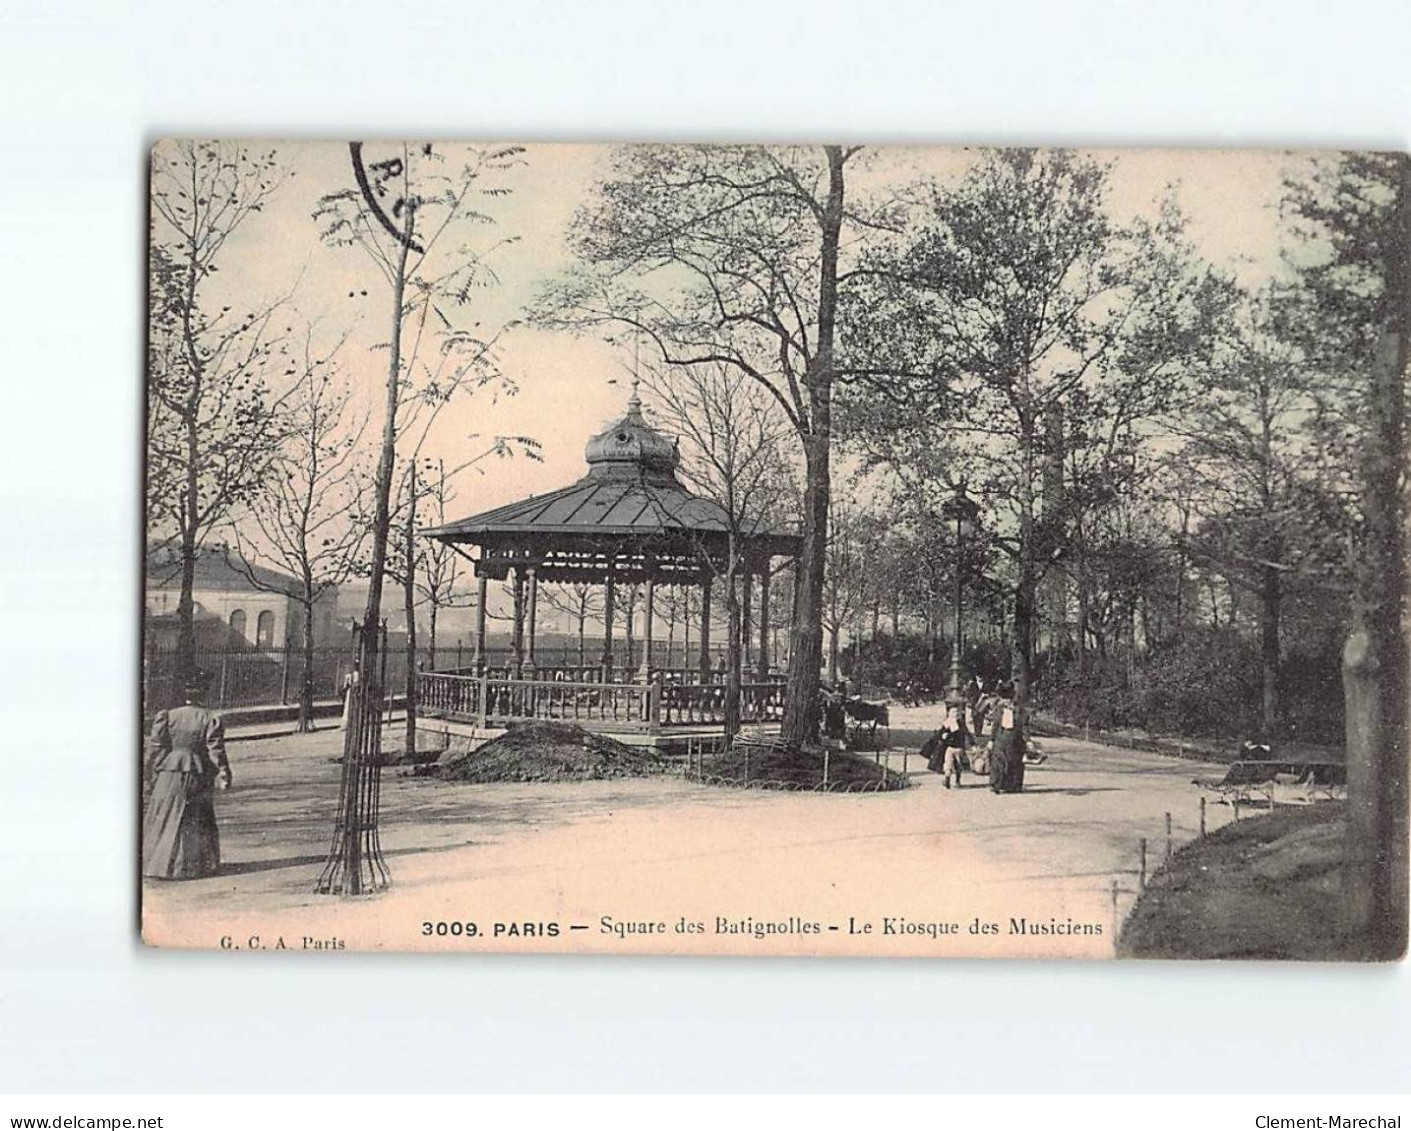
<point>548,752</point>
<point>1265,887</point>
<point>780,767</point>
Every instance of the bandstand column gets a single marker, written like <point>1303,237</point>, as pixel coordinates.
<point>706,579</point>
<point>518,621</point>
<point>649,601</point>
<point>764,622</point>
<point>609,592</point>
<point>482,590</point>
<point>532,616</point>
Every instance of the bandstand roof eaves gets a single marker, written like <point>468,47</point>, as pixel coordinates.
<point>601,508</point>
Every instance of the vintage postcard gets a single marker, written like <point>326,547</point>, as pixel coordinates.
<point>816,550</point>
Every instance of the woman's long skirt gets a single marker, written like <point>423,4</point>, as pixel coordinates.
<point>179,837</point>
<point>1007,763</point>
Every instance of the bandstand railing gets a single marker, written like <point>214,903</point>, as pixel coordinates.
<point>688,704</point>
<point>488,699</point>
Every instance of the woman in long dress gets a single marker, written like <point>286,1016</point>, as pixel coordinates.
<point>185,760</point>
<point>1006,753</point>
<point>350,681</point>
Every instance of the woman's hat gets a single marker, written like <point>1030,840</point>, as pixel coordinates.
<point>196,682</point>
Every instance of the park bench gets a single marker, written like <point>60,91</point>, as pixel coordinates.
<point>864,719</point>
<point>1245,781</point>
<point>1242,782</point>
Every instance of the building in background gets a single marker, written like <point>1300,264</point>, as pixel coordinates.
<point>238,605</point>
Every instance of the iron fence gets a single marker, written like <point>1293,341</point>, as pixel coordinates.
<point>262,677</point>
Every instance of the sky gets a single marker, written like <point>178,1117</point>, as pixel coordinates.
<point>569,387</point>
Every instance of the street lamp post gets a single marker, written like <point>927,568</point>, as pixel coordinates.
<point>963,511</point>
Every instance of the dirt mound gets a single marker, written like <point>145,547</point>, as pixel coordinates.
<point>548,752</point>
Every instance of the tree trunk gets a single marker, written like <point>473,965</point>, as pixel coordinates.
<point>671,635</point>
<point>1026,587</point>
<point>732,654</point>
<point>191,501</point>
<point>582,630</point>
<point>185,617</point>
<point>431,635</point>
<point>381,522</point>
<point>306,685</point>
<point>801,706</point>
<point>1374,657</point>
<point>357,805</point>
<point>1270,598</point>
<point>1084,611</point>
<point>409,604</point>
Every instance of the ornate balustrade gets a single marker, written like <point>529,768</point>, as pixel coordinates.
<point>696,704</point>
<point>490,699</point>
<point>624,704</point>
<point>452,694</point>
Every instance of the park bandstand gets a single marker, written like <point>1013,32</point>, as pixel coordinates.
<point>628,521</point>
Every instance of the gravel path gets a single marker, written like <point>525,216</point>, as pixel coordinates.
<point>925,871</point>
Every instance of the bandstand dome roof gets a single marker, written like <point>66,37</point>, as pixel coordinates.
<point>629,500</point>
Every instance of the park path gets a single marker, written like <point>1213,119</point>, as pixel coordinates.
<point>644,853</point>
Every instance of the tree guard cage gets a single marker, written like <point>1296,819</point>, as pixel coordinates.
<point>355,865</point>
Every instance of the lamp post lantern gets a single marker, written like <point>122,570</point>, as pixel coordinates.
<point>963,511</point>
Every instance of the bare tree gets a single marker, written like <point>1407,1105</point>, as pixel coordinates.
<point>211,435</point>
<point>307,521</point>
<point>441,568</point>
<point>733,455</point>
<point>413,220</point>
<point>582,603</point>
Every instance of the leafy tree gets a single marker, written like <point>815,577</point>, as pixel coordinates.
<point>1263,516</point>
<point>1352,218</point>
<point>730,256</point>
<point>1017,293</point>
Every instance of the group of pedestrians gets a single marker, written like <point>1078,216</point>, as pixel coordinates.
<point>981,733</point>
